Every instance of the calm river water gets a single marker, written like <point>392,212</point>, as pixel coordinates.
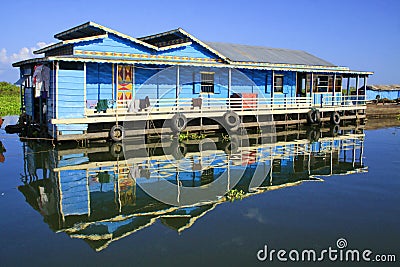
<point>310,189</point>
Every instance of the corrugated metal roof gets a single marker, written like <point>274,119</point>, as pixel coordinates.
<point>390,87</point>
<point>260,54</point>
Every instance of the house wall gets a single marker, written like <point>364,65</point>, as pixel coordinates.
<point>112,43</point>
<point>71,103</point>
<point>28,99</point>
<point>194,50</point>
<point>51,104</point>
<point>99,82</point>
<point>371,95</point>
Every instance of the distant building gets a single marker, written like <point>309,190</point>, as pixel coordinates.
<point>383,91</point>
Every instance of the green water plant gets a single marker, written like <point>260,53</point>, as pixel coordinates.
<point>191,136</point>
<point>9,99</point>
<point>235,194</point>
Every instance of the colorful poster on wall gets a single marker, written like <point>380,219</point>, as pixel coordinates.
<point>125,86</point>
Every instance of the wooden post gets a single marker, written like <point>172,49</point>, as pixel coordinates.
<point>84,86</point>
<point>348,86</point>
<point>56,93</point>
<point>229,86</point>
<point>272,85</point>
<point>133,82</point>
<point>229,81</point>
<point>365,86</point>
<point>357,83</point>
<point>311,87</point>
<point>177,82</point>
<point>334,89</point>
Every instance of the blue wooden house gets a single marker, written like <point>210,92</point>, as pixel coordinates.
<point>95,79</point>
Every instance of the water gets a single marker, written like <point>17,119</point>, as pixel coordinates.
<point>77,206</point>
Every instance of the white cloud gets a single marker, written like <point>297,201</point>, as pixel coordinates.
<point>254,213</point>
<point>24,53</point>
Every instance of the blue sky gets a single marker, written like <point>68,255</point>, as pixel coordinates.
<point>363,35</point>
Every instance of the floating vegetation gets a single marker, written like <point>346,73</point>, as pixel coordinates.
<point>235,194</point>
<point>9,99</point>
<point>191,136</point>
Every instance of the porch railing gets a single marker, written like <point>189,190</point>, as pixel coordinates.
<point>343,101</point>
<point>209,104</point>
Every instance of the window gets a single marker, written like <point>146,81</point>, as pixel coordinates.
<point>322,84</point>
<point>338,86</point>
<point>207,82</point>
<point>278,83</point>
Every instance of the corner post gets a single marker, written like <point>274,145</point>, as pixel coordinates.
<point>311,87</point>
<point>357,83</point>
<point>334,89</point>
<point>177,85</point>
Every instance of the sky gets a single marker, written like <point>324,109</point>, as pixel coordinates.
<point>363,35</point>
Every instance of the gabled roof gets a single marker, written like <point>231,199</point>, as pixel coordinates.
<point>260,54</point>
<point>67,42</point>
<point>176,36</point>
<point>235,55</point>
<point>92,30</point>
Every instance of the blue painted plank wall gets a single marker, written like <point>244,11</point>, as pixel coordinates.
<point>99,81</point>
<point>113,43</point>
<point>51,105</point>
<point>74,196</point>
<point>289,84</point>
<point>28,98</point>
<point>193,50</point>
<point>71,102</point>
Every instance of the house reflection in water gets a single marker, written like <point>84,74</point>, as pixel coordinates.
<point>90,194</point>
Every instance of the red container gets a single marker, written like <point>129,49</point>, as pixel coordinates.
<point>249,100</point>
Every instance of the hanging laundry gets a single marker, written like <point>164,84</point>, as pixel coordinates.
<point>37,79</point>
<point>41,79</point>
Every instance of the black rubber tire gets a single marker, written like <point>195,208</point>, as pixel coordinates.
<point>233,145</point>
<point>313,135</point>
<point>314,116</point>
<point>178,149</point>
<point>335,118</point>
<point>117,133</point>
<point>231,120</point>
<point>335,130</point>
<point>117,150</point>
<point>178,122</point>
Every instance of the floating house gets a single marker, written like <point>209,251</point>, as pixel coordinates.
<point>391,92</point>
<point>95,80</point>
<point>87,192</point>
